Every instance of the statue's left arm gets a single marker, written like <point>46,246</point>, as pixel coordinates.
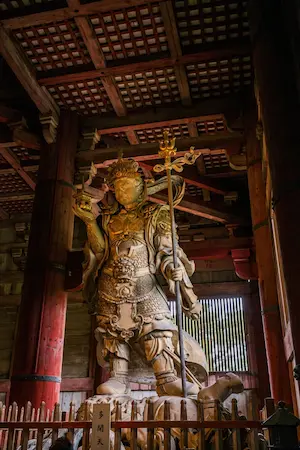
<point>164,263</point>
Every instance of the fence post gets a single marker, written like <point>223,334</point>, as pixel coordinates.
<point>282,427</point>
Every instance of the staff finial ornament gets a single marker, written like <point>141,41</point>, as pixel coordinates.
<point>168,150</point>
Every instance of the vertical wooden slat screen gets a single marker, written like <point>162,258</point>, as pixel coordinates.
<point>221,333</point>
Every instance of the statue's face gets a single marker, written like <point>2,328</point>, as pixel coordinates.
<point>128,190</point>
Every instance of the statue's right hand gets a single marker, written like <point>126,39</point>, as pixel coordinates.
<point>84,211</point>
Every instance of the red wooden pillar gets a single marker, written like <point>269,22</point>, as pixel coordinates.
<point>37,365</point>
<point>277,365</point>
<point>275,72</point>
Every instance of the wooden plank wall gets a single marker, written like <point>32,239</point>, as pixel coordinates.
<point>13,242</point>
<point>8,319</point>
<point>77,342</point>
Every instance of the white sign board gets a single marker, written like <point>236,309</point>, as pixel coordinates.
<point>101,427</point>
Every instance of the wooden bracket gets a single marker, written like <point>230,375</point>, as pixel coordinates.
<point>49,123</point>
<point>85,174</point>
<point>89,139</point>
<point>238,162</point>
<point>245,267</point>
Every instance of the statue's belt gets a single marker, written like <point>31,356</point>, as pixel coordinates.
<point>138,273</point>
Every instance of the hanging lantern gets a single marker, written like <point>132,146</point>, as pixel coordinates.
<point>282,426</point>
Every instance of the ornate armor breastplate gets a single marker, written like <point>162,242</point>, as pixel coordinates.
<point>126,276</point>
<point>129,294</point>
<point>125,224</point>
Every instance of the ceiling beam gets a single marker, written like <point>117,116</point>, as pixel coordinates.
<point>144,124</point>
<point>92,44</point>
<point>152,62</point>
<point>9,156</point>
<point>191,176</point>
<point>114,95</point>
<point>193,130</point>
<point>15,196</point>
<point>4,170</point>
<point>101,157</point>
<point>17,135</point>
<point>165,116</point>
<point>169,21</point>
<point>90,40</point>
<point>208,210</point>
<point>24,138</point>
<point>16,59</point>
<point>131,136</point>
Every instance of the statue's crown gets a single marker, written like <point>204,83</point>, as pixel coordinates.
<point>122,168</point>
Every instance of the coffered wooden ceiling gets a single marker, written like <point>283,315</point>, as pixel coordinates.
<point>131,69</point>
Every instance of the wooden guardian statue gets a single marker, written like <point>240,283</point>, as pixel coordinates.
<point>129,245</point>
<point>126,250</point>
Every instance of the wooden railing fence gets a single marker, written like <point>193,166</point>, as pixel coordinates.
<point>26,427</point>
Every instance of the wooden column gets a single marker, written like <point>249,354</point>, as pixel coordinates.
<point>275,72</point>
<point>277,365</point>
<point>256,343</point>
<point>37,365</point>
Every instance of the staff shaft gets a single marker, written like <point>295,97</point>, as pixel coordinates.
<point>177,285</point>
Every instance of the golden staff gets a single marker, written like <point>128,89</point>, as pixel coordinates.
<point>167,151</point>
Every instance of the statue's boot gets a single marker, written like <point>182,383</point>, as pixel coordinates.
<point>222,388</point>
<point>118,382</point>
<point>167,382</point>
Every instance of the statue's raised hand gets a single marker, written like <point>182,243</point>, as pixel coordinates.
<point>83,210</point>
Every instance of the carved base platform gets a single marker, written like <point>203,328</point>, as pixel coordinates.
<point>211,411</point>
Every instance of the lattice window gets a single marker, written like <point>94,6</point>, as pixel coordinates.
<point>13,5</point>
<point>54,46</point>
<point>215,78</point>
<point>154,87</point>
<point>17,206</point>
<point>12,183</point>
<point>221,333</point>
<point>212,126</point>
<point>205,21</point>
<point>86,97</point>
<point>215,161</point>
<point>131,32</point>
<point>156,134</point>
